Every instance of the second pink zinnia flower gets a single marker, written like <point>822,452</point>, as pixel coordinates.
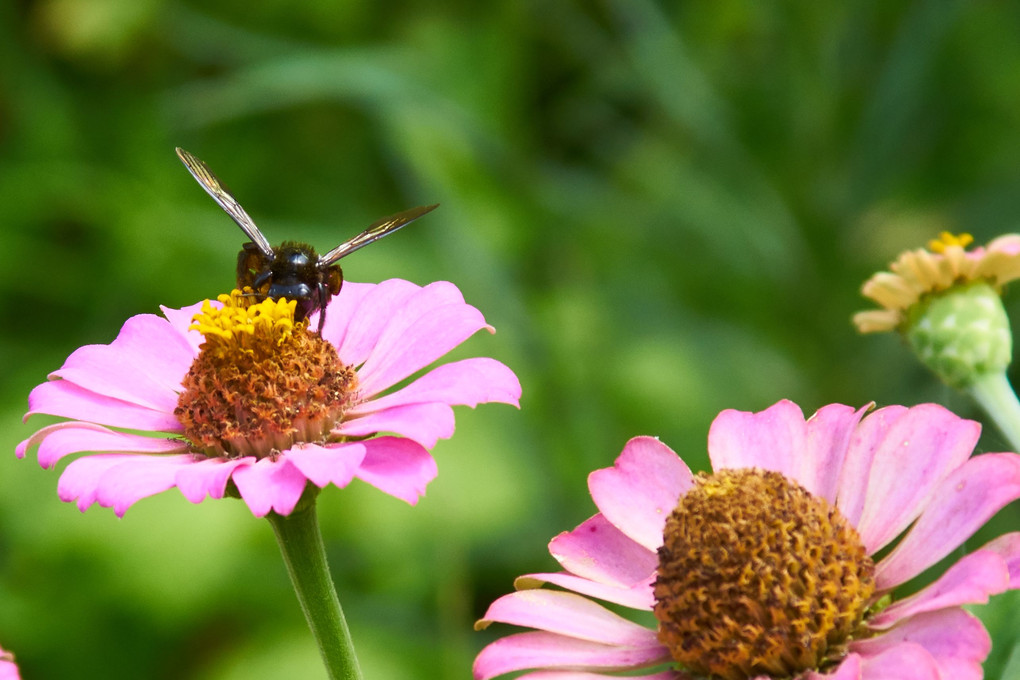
<point>8,669</point>
<point>270,424</point>
<point>768,567</point>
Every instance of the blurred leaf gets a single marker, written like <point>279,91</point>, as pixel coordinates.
<point>666,210</point>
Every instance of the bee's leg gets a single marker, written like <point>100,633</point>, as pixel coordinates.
<point>323,293</point>
<point>261,279</point>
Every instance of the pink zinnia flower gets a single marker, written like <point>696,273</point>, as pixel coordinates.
<point>305,414</point>
<point>8,669</point>
<point>764,568</point>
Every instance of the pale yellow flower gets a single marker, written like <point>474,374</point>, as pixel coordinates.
<point>918,274</point>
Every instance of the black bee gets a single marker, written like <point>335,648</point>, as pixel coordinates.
<point>292,270</point>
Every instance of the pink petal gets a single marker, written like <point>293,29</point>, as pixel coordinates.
<point>96,368</point>
<point>403,349</point>
<point>270,485</point>
<point>962,503</point>
<point>599,551</point>
<point>341,311</point>
<point>8,669</point>
<point>322,465</point>
<point>849,669</point>
<point>53,445</point>
<point>578,675</point>
<point>368,319</point>
<point>465,383</point>
<point>117,479</point>
<point>208,477</point>
<point>954,639</point>
<point>638,596</point>
<point>770,440</point>
<point>1008,244</point>
<point>970,581</point>
<point>905,661</point>
<point>180,319</point>
<point>80,480</point>
<point>546,650</point>
<point>829,432</point>
<point>918,451</point>
<point>567,614</point>
<point>67,400</point>
<point>144,365</point>
<point>397,466</point>
<point>424,423</point>
<point>1008,548</point>
<point>853,479</point>
<point>62,439</point>
<point>642,488</point>
<point>123,485</point>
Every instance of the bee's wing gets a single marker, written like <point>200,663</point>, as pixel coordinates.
<point>204,176</point>
<point>386,225</point>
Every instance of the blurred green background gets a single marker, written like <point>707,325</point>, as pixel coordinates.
<point>666,209</point>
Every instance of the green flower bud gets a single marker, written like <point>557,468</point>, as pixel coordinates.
<point>961,333</point>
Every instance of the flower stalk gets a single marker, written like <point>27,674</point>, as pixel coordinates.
<point>996,397</point>
<point>305,556</point>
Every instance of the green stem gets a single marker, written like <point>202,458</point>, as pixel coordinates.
<point>994,394</point>
<point>305,555</point>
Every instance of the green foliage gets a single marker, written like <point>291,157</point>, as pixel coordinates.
<point>666,209</point>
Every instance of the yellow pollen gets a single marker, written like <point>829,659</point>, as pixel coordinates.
<point>261,383</point>
<point>946,239</point>
<point>240,324</point>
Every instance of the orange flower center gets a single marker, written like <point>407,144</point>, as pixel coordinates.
<point>261,382</point>
<point>759,577</point>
